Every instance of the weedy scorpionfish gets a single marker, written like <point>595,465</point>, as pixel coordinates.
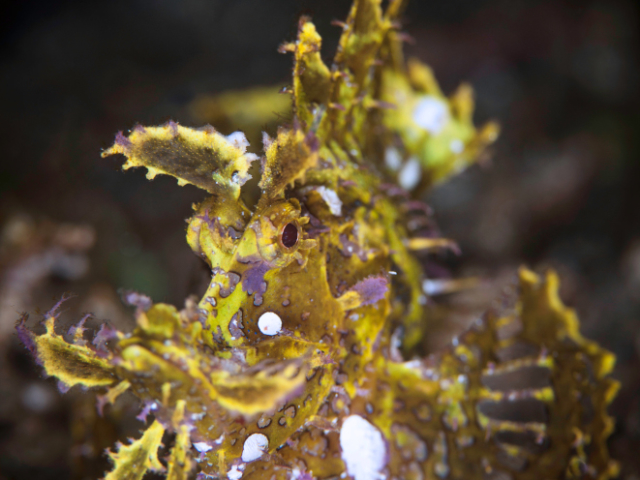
<point>299,362</point>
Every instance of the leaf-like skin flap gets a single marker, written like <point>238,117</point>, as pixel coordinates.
<point>250,394</point>
<point>201,157</point>
<point>364,32</point>
<point>156,353</point>
<point>288,159</point>
<point>522,395</point>
<point>131,462</point>
<point>581,374</point>
<point>72,364</point>
<point>180,463</point>
<point>160,321</point>
<point>436,130</point>
<point>112,395</point>
<point>311,77</point>
<point>243,393</point>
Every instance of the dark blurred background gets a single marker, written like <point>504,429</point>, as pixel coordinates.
<point>561,191</point>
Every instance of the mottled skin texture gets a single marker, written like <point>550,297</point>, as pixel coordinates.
<point>521,395</point>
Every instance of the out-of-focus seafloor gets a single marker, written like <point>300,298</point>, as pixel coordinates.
<point>561,190</point>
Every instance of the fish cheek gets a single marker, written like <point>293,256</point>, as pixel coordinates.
<point>301,297</point>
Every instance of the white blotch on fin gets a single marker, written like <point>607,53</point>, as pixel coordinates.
<point>254,447</point>
<point>410,175</point>
<point>270,323</point>
<point>235,473</point>
<point>364,450</point>
<point>432,287</point>
<point>202,447</point>
<point>331,199</point>
<point>432,114</point>
<point>392,159</point>
<point>456,145</point>
<point>238,140</point>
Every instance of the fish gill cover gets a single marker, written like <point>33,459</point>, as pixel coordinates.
<point>292,365</point>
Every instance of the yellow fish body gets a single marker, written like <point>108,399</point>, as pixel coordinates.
<point>291,366</point>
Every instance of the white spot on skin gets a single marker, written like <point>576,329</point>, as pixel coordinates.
<point>456,146</point>
<point>331,199</point>
<point>254,447</point>
<point>364,450</point>
<point>413,364</point>
<point>251,157</point>
<point>440,286</point>
<point>392,159</point>
<point>433,287</point>
<point>270,323</point>
<point>410,175</point>
<point>202,447</point>
<point>236,472</point>
<point>239,140</point>
<point>432,114</point>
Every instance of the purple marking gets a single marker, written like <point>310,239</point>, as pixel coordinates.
<point>123,141</point>
<point>63,387</point>
<point>139,129</point>
<point>253,279</point>
<point>417,205</point>
<point>233,233</point>
<point>146,410</point>
<point>235,326</point>
<point>312,141</point>
<point>173,126</point>
<point>101,401</point>
<point>266,141</point>
<point>26,337</point>
<point>79,326</point>
<point>371,289</point>
<point>350,248</point>
<point>315,227</point>
<point>257,298</point>
<point>54,310</point>
<point>296,123</point>
<point>304,475</point>
<point>263,164</point>
<point>208,129</point>
<point>348,183</point>
<point>393,190</point>
<point>234,279</point>
<point>135,299</point>
<point>214,225</point>
<point>105,334</point>
<point>212,222</point>
<point>386,105</point>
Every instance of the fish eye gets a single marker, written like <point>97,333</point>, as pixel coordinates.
<point>289,236</point>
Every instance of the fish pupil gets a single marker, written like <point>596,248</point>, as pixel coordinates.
<point>290,235</point>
